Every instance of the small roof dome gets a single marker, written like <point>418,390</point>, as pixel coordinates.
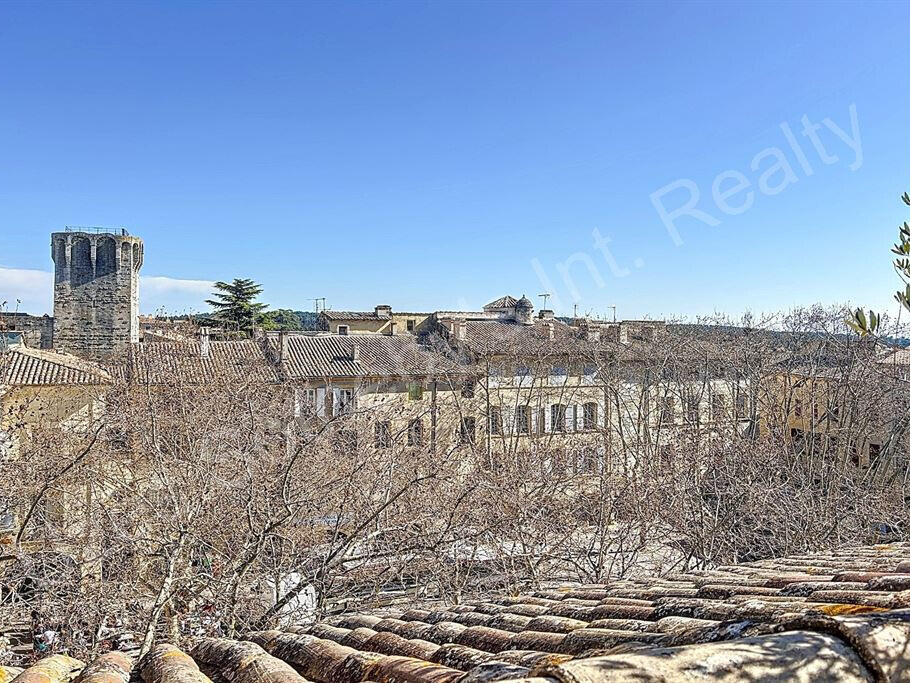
<point>524,302</point>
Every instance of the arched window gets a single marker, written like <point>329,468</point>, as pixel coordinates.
<point>81,267</point>
<point>59,259</point>
<point>105,256</point>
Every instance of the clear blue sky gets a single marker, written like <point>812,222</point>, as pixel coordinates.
<point>425,155</point>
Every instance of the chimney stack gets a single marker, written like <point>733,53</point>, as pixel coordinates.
<point>355,352</point>
<point>205,344</point>
<point>383,311</point>
<point>282,347</point>
<point>392,327</point>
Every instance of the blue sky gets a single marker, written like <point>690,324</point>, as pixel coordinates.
<point>438,155</point>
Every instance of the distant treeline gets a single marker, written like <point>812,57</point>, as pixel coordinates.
<point>278,319</point>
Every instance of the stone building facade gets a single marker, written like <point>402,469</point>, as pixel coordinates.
<point>96,291</point>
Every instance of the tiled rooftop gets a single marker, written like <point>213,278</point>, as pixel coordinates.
<point>24,366</point>
<point>506,337</point>
<point>351,315</point>
<point>818,617</point>
<point>317,356</point>
<point>167,362</point>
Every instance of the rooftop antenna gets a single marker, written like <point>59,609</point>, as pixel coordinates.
<point>575,311</point>
<point>316,301</point>
<point>544,296</point>
<point>614,312</point>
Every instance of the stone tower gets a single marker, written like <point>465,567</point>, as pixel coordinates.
<point>96,291</point>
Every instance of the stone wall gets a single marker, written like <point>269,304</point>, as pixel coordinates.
<point>96,292</point>
<point>37,331</point>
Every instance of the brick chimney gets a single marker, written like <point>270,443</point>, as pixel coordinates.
<point>355,352</point>
<point>383,311</point>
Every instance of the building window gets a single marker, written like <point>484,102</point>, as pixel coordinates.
<point>798,439</point>
<point>467,389</point>
<point>495,420</point>
<point>718,406</point>
<point>415,432</point>
<point>345,401</point>
<point>875,450</point>
<point>558,372</point>
<point>415,391</point>
<point>410,325</point>
<point>522,371</point>
<point>586,460</point>
<point>692,408</point>
<point>523,419</point>
<point>466,430</point>
<point>854,454</point>
<point>557,418</point>
<point>742,405</point>
<point>797,407</point>
<point>343,329</point>
<point>383,434</point>
<point>667,409</point>
<point>305,402</point>
<point>590,416</point>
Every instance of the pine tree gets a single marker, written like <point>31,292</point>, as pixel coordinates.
<point>868,324</point>
<point>235,303</point>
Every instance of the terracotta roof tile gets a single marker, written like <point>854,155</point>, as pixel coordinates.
<point>166,362</point>
<point>324,356</point>
<point>22,366</point>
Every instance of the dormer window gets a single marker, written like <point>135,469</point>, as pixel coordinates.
<point>343,329</point>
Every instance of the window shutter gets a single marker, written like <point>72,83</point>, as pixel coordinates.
<point>320,401</point>
<point>570,418</point>
<point>336,400</point>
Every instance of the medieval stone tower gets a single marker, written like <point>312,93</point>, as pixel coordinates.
<point>96,291</point>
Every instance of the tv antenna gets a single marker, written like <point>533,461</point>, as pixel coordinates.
<point>544,296</point>
<point>614,312</point>
<point>316,301</point>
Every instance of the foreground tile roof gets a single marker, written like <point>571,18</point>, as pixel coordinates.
<point>22,366</point>
<point>832,616</point>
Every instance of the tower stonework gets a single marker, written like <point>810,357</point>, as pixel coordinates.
<point>96,291</point>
